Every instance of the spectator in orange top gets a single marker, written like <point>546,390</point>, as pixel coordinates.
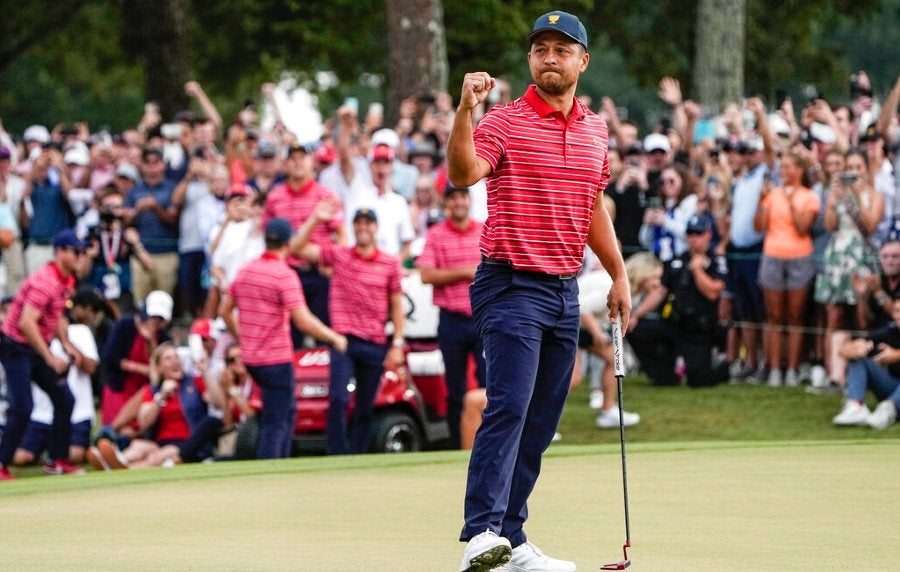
<point>786,215</point>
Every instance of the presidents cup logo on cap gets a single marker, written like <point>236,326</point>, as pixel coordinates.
<point>554,18</point>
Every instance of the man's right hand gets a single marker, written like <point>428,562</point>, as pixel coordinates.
<point>475,89</point>
<point>58,365</point>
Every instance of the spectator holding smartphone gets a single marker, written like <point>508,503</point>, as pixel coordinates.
<point>785,216</point>
<point>875,367</point>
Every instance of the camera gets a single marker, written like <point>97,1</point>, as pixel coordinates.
<point>107,216</point>
<point>633,161</point>
<point>170,130</point>
<point>848,179</point>
<point>856,90</point>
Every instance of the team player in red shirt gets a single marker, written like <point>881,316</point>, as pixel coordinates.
<point>448,261</point>
<point>36,316</point>
<point>266,293</point>
<point>364,294</point>
<point>295,200</point>
<point>545,157</point>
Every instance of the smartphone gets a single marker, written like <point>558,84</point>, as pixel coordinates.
<point>352,103</point>
<point>195,344</point>
<point>654,203</point>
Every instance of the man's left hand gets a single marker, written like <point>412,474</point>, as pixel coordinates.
<point>619,301</point>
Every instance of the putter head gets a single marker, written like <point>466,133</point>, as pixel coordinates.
<point>620,565</point>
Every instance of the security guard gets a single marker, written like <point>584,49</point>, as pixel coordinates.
<point>691,286</point>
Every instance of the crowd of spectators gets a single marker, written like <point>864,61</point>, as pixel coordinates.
<point>764,235</point>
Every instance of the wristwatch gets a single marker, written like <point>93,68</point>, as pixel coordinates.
<point>160,400</point>
<point>234,392</point>
<point>398,342</point>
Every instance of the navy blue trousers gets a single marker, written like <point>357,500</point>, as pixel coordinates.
<point>315,290</point>
<point>364,361</point>
<point>276,425</point>
<point>458,339</point>
<point>23,365</point>
<point>529,326</point>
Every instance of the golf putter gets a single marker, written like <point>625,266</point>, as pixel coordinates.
<point>619,369</point>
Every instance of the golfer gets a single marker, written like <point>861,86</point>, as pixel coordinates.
<point>545,159</point>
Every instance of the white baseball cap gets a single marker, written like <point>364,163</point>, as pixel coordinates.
<point>656,142</point>
<point>77,155</point>
<point>159,303</point>
<point>387,137</point>
<point>37,133</point>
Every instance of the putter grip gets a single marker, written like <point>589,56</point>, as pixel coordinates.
<point>618,357</point>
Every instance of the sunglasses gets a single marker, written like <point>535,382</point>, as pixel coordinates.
<point>695,232</point>
<point>232,359</point>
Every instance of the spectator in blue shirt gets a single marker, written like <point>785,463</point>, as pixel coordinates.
<point>156,219</point>
<point>49,213</point>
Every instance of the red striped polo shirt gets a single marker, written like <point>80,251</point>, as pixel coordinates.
<point>265,291</point>
<point>446,246</point>
<point>296,205</point>
<point>546,173</point>
<point>361,288</point>
<point>47,291</point>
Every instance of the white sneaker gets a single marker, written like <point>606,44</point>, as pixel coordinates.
<point>596,399</point>
<point>529,558</point>
<point>485,552</point>
<point>853,413</point>
<point>609,418</point>
<point>774,378</point>
<point>884,416</point>
<point>818,376</point>
<point>792,378</point>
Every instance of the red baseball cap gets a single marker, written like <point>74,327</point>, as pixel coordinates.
<point>238,190</point>
<point>325,154</point>
<point>381,153</point>
<point>203,327</point>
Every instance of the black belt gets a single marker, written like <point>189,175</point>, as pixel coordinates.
<point>508,264</point>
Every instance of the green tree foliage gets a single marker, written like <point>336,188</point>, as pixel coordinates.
<point>84,60</point>
<point>784,38</point>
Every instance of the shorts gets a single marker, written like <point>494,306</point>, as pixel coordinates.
<point>783,274</point>
<point>585,339</point>
<point>37,436</point>
<point>81,434</point>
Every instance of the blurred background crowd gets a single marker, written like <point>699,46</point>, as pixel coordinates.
<point>761,239</point>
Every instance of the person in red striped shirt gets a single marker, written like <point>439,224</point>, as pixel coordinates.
<point>266,294</point>
<point>545,159</point>
<point>365,293</point>
<point>295,200</point>
<point>448,262</point>
<point>36,316</point>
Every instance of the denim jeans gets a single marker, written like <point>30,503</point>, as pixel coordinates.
<point>864,375</point>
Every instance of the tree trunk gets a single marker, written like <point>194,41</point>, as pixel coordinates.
<point>719,61</point>
<point>417,50</point>
<point>158,41</point>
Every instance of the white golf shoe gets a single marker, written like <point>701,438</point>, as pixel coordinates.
<point>884,416</point>
<point>853,413</point>
<point>529,558</point>
<point>485,552</point>
<point>609,418</point>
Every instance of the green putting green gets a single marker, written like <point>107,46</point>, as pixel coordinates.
<point>694,506</point>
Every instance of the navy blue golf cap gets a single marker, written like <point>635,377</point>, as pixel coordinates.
<point>561,22</point>
<point>278,231</point>
<point>68,238</point>
<point>698,225</point>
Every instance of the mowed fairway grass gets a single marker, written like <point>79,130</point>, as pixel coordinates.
<point>801,505</point>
